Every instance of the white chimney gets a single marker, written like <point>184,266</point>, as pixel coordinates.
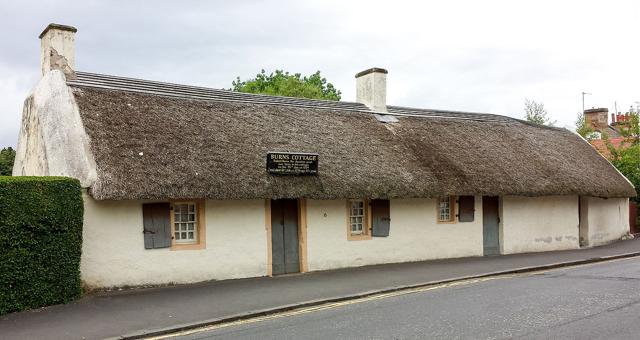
<point>371,89</point>
<point>57,49</point>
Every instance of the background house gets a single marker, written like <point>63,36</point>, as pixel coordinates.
<point>598,120</point>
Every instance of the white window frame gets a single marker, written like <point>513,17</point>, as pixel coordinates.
<point>357,217</point>
<point>446,209</point>
<point>185,227</point>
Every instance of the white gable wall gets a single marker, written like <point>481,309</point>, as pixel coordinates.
<point>52,139</point>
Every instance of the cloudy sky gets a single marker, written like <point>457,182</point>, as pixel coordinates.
<point>484,56</point>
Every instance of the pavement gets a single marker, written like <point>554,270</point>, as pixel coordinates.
<point>142,312</point>
<point>594,301</point>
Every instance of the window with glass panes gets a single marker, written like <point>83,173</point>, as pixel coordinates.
<point>445,209</point>
<point>357,217</point>
<point>185,223</point>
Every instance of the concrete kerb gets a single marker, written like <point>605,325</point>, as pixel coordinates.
<point>312,303</point>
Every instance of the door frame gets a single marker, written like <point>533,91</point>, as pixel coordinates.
<point>302,235</point>
<point>583,221</point>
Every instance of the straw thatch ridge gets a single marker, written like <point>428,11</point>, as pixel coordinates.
<point>153,147</point>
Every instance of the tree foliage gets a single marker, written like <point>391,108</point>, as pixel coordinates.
<point>281,83</point>
<point>7,156</point>
<point>631,131</point>
<point>626,157</point>
<point>627,161</point>
<point>536,113</point>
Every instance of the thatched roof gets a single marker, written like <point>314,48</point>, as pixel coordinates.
<point>160,141</point>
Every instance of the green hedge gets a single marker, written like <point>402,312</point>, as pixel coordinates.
<point>40,241</point>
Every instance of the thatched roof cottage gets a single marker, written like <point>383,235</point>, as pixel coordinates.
<point>186,183</point>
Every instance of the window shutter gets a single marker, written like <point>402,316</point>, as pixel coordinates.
<point>157,225</point>
<point>380,218</point>
<point>466,206</point>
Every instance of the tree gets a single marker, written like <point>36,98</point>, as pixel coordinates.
<point>536,113</point>
<point>7,156</point>
<point>583,128</point>
<point>627,161</point>
<point>282,83</point>
<point>631,131</point>
<point>626,158</point>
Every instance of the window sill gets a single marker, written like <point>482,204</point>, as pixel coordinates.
<point>188,246</point>
<point>358,237</point>
<point>447,222</point>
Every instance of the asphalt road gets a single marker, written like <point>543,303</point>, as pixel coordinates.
<point>599,301</point>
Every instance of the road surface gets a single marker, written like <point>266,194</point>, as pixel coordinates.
<point>597,301</point>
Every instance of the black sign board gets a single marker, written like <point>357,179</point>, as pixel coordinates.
<point>292,163</point>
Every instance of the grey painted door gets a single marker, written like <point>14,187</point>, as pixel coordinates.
<point>490,225</point>
<point>284,236</point>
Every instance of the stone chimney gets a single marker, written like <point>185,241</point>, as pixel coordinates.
<point>371,89</point>
<point>57,50</point>
<point>597,118</point>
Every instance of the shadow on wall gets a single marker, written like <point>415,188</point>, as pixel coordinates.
<point>634,217</point>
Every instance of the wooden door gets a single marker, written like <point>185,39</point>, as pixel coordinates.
<point>284,237</point>
<point>491,225</point>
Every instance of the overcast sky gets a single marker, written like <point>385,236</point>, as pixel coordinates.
<point>483,56</point>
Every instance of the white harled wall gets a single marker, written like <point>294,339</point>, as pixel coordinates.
<point>608,219</point>
<point>414,235</point>
<point>236,237</point>
<point>532,224</point>
<point>113,252</point>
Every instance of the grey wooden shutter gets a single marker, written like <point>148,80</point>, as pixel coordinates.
<point>157,225</point>
<point>466,206</point>
<point>380,218</point>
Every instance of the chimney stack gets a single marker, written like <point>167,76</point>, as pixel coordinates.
<point>57,50</point>
<point>371,89</point>
<point>597,118</point>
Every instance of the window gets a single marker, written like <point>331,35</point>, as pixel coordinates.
<point>358,220</point>
<point>446,209</point>
<point>178,225</point>
<point>357,217</point>
<point>185,223</point>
